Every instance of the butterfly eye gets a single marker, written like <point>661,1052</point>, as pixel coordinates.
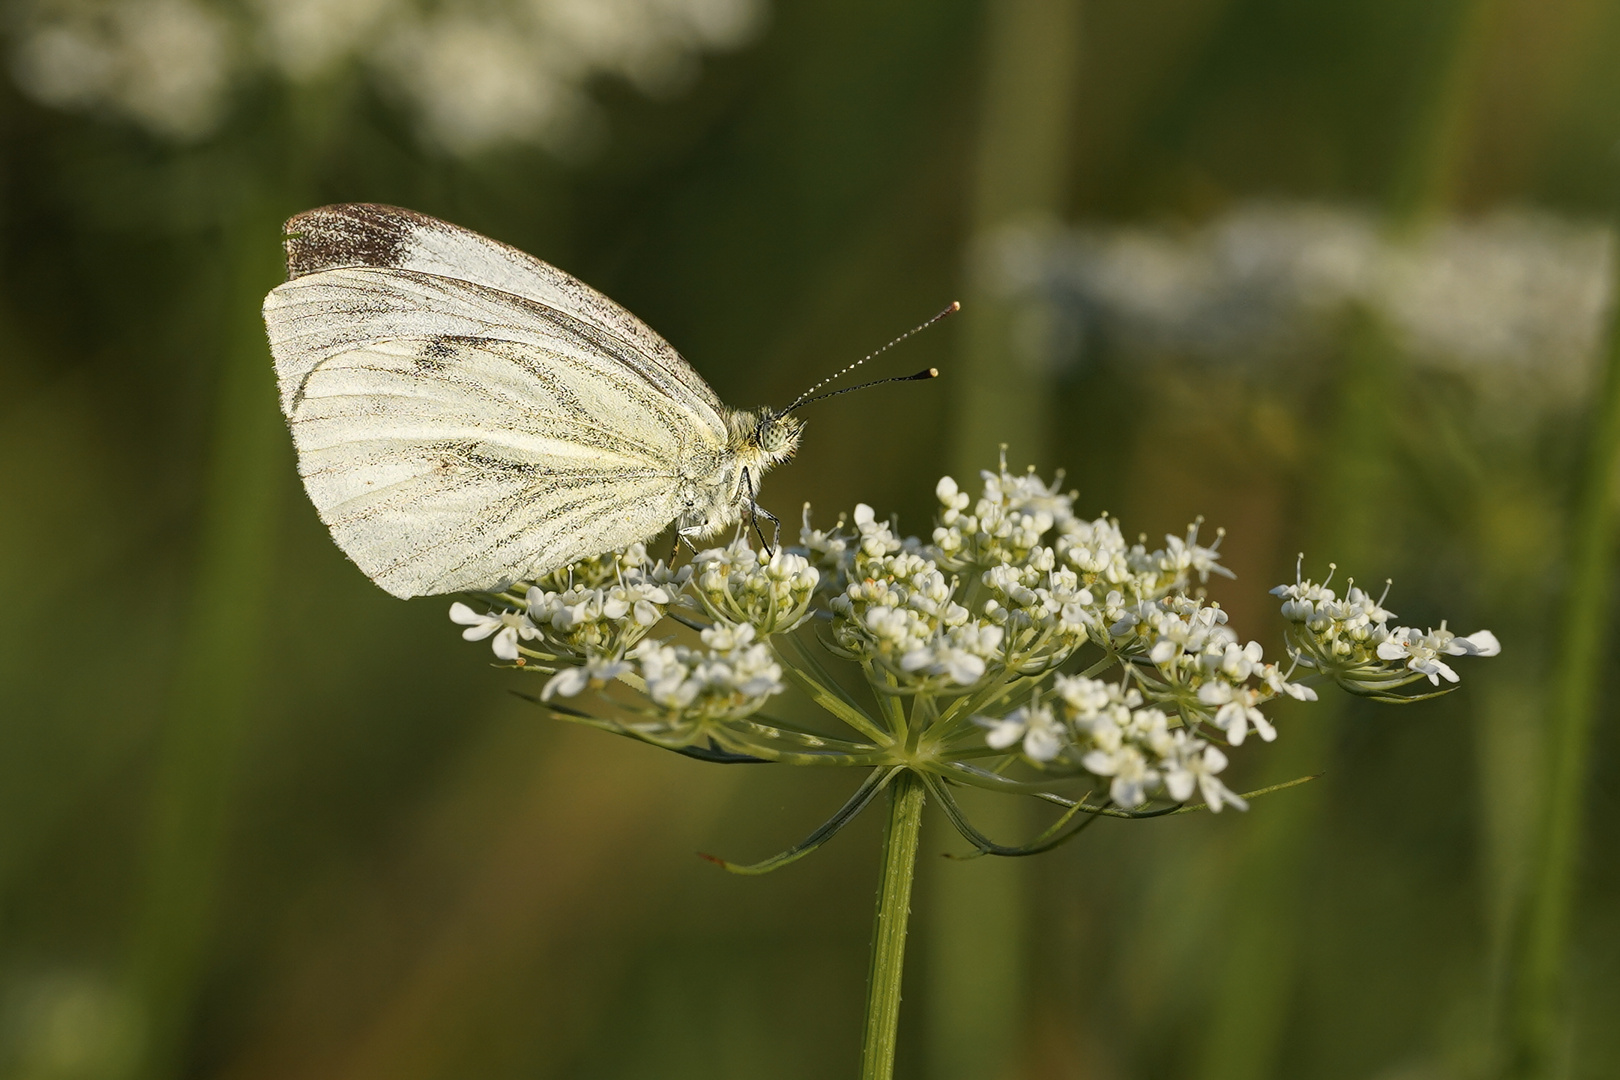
<point>779,434</point>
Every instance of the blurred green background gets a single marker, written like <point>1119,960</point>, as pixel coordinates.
<point>1333,275</point>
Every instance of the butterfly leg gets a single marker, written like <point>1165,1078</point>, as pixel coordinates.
<point>756,511</point>
<point>684,536</point>
<point>776,529</point>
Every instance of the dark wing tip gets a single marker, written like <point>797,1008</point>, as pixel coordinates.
<point>349,234</point>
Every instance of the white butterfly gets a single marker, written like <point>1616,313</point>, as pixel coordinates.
<point>467,416</point>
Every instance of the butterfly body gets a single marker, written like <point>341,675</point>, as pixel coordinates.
<point>466,415</point>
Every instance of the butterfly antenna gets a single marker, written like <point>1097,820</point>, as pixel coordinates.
<point>810,394</point>
<point>925,373</point>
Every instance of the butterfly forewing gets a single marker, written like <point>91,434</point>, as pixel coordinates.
<point>374,237</point>
<point>460,429</point>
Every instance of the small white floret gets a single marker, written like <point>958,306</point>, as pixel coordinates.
<point>507,626</point>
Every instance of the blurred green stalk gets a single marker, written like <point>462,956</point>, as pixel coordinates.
<point>216,679</point>
<point>1250,1013</point>
<point>1020,179</point>
<point>906,796</point>
<point>1538,991</point>
<point>1261,966</point>
<point>977,914</point>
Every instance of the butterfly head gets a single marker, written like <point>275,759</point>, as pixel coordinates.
<point>764,438</point>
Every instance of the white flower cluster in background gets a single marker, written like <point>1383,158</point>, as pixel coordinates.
<point>1019,648</point>
<point>168,65</point>
<point>475,73</point>
<point>1517,298</point>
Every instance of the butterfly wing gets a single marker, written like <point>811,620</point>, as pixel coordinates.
<point>456,435</point>
<point>459,464</point>
<point>362,272</point>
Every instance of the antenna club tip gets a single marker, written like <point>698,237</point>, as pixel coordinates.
<point>933,373</point>
<point>956,305</point>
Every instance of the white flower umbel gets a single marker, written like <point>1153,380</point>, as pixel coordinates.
<point>600,607</point>
<point>771,593</point>
<point>1350,640</point>
<point>728,680</point>
<point>1019,649</point>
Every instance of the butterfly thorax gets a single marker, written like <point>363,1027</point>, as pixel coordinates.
<point>755,441</point>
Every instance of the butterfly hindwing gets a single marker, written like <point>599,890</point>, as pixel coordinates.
<point>454,464</point>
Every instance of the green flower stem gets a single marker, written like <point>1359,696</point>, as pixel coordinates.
<point>894,713</point>
<point>906,797</point>
<point>1539,995</point>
